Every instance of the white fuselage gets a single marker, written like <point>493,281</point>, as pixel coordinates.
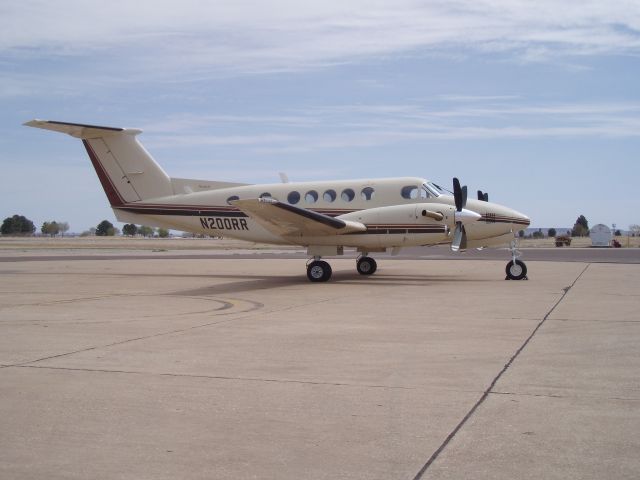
<point>391,208</point>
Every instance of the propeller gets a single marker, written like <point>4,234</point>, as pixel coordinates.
<point>462,216</point>
<point>483,197</point>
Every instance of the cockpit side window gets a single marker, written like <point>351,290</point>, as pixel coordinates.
<point>410,192</point>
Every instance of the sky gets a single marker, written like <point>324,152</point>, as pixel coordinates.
<point>537,103</point>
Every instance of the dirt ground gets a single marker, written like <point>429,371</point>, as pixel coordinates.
<point>8,244</point>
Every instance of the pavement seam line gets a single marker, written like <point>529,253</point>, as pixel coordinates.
<point>489,390</point>
<point>221,377</point>
<point>250,313</point>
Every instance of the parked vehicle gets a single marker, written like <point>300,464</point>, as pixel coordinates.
<point>563,240</point>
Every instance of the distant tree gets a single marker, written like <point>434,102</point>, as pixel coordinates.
<point>163,232</point>
<point>617,233</point>
<point>521,234</point>
<point>581,227</point>
<point>635,230</point>
<point>146,231</point>
<point>89,233</point>
<point>129,229</point>
<point>105,228</point>
<point>50,228</point>
<point>17,225</point>
<point>64,228</point>
<point>538,234</point>
<point>551,233</point>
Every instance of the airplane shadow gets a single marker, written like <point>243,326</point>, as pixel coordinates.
<point>265,282</point>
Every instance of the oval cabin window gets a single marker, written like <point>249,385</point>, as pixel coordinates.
<point>329,196</point>
<point>347,195</point>
<point>367,193</point>
<point>293,198</point>
<point>311,196</point>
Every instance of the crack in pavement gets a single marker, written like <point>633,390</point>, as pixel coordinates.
<point>550,395</point>
<point>489,390</point>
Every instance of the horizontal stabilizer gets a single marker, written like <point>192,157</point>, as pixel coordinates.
<point>287,220</point>
<point>80,130</point>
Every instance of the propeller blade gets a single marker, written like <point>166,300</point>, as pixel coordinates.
<point>457,194</point>
<point>459,238</point>
<point>464,196</point>
<point>483,196</point>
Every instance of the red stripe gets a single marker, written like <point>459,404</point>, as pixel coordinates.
<point>112,192</point>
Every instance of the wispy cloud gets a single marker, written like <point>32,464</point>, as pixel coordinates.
<point>364,126</point>
<point>157,39</point>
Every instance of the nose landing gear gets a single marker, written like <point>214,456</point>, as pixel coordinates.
<point>516,269</point>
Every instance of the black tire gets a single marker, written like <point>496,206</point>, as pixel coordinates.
<point>366,266</point>
<point>517,270</point>
<point>319,271</point>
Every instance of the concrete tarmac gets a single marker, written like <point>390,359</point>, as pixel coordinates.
<point>192,368</point>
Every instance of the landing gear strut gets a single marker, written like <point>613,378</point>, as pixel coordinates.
<point>516,269</point>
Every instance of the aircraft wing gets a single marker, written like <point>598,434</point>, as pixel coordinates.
<point>287,220</point>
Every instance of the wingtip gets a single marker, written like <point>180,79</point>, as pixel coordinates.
<point>34,123</point>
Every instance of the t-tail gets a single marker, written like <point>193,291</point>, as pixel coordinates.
<point>126,171</point>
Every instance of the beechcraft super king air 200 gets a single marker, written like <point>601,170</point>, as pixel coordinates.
<point>371,215</point>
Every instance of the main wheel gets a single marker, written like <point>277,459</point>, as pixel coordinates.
<point>319,271</point>
<point>366,266</point>
<point>517,270</point>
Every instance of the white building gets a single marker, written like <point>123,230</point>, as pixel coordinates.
<point>601,236</point>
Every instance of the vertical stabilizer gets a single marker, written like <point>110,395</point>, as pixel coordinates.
<point>126,170</point>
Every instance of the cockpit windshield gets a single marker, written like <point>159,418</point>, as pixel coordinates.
<point>433,189</point>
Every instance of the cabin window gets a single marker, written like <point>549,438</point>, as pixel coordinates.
<point>367,193</point>
<point>265,195</point>
<point>293,198</point>
<point>329,196</point>
<point>232,198</point>
<point>424,193</point>
<point>311,196</point>
<point>410,192</point>
<point>347,195</point>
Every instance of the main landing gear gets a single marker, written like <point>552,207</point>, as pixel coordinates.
<point>366,265</point>
<point>516,269</point>
<point>320,271</point>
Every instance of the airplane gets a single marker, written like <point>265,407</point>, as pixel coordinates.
<point>370,215</point>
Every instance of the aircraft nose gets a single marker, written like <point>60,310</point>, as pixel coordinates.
<point>519,220</point>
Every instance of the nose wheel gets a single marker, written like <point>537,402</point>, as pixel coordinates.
<point>516,269</point>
